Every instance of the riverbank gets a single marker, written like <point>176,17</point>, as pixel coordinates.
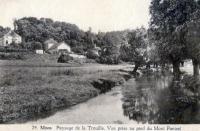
<point>30,92</point>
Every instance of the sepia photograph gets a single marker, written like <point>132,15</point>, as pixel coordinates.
<point>100,62</point>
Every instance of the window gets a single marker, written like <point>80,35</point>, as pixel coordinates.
<point>6,42</point>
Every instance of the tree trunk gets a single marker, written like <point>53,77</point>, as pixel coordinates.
<point>135,68</point>
<point>176,70</point>
<point>195,68</point>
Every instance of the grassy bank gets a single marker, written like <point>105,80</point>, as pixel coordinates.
<point>28,92</point>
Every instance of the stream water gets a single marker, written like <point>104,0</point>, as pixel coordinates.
<point>148,99</point>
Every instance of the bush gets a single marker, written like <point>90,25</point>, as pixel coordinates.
<point>11,56</point>
<point>64,58</point>
<point>91,54</point>
<point>78,50</point>
<point>191,83</point>
<point>112,59</point>
<point>37,46</point>
<point>61,72</point>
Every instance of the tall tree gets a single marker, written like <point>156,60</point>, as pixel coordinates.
<point>112,42</point>
<point>136,48</point>
<point>189,33</point>
<point>166,15</point>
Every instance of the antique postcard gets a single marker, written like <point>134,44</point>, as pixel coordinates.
<point>116,65</point>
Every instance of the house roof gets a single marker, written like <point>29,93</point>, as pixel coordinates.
<point>50,41</point>
<point>56,45</point>
<point>13,34</point>
<point>10,33</point>
<point>97,48</point>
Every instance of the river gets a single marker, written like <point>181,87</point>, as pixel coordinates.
<point>147,99</point>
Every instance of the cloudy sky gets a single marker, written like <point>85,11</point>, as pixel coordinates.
<point>101,15</point>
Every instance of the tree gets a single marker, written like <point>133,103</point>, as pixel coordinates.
<point>111,42</point>
<point>39,30</point>
<point>4,30</point>
<point>166,15</point>
<point>89,39</point>
<point>189,33</point>
<point>136,48</point>
<point>37,46</point>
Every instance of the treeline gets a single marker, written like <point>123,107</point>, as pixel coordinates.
<point>37,31</point>
<point>115,46</point>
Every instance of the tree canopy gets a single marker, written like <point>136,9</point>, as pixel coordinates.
<point>166,16</point>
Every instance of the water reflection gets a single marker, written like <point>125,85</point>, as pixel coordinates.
<point>157,99</point>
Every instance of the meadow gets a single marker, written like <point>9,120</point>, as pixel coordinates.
<point>30,89</point>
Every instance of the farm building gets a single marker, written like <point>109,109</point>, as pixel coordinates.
<point>60,47</point>
<point>39,51</point>
<point>10,37</point>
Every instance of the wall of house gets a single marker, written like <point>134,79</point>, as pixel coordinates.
<point>7,40</point>
<point>39,51</point>
<point>17,40</point>
<point>1,41</point>
<point>50,45</point>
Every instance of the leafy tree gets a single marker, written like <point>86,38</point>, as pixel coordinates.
<point>4,30</point>
<point>166,15</point>
<point>39,30</point>
<point>37,46</point>
<point>111,43</point>
<point>64,58</point>
<point>136,47</point>
<point>189,33</point>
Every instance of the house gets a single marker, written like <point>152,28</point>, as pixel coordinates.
<point>10,37</point>
<point>60,47</point>
<point>39,51</point>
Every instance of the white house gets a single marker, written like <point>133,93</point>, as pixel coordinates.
<point>64,46</point>
<point>39,51</point>
<point>10,37</point>
<point>60,47</point>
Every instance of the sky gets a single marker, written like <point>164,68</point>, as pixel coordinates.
<point>100,15</point>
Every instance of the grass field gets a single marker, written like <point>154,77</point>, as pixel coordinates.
<point>30,89</point>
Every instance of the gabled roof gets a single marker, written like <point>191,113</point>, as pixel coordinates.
<point>50,41</point>
<point>56,45</point>
<point>12,33</point>
<point>97,48</point>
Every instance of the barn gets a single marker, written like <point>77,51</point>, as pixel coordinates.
<point>58,48</point>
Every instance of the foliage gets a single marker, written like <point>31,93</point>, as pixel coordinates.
<point>4,30</point>
<point>192,37</point>
<point>39,30</point>
<point>136,49</point>
<point>188,34</point>
<point>111,59</point>
<point>191,83</point>
<point>12,56</point>
<point>166,15</point>
<point>92,54</point>
<point>64,58</point>
<point>112,42</point>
